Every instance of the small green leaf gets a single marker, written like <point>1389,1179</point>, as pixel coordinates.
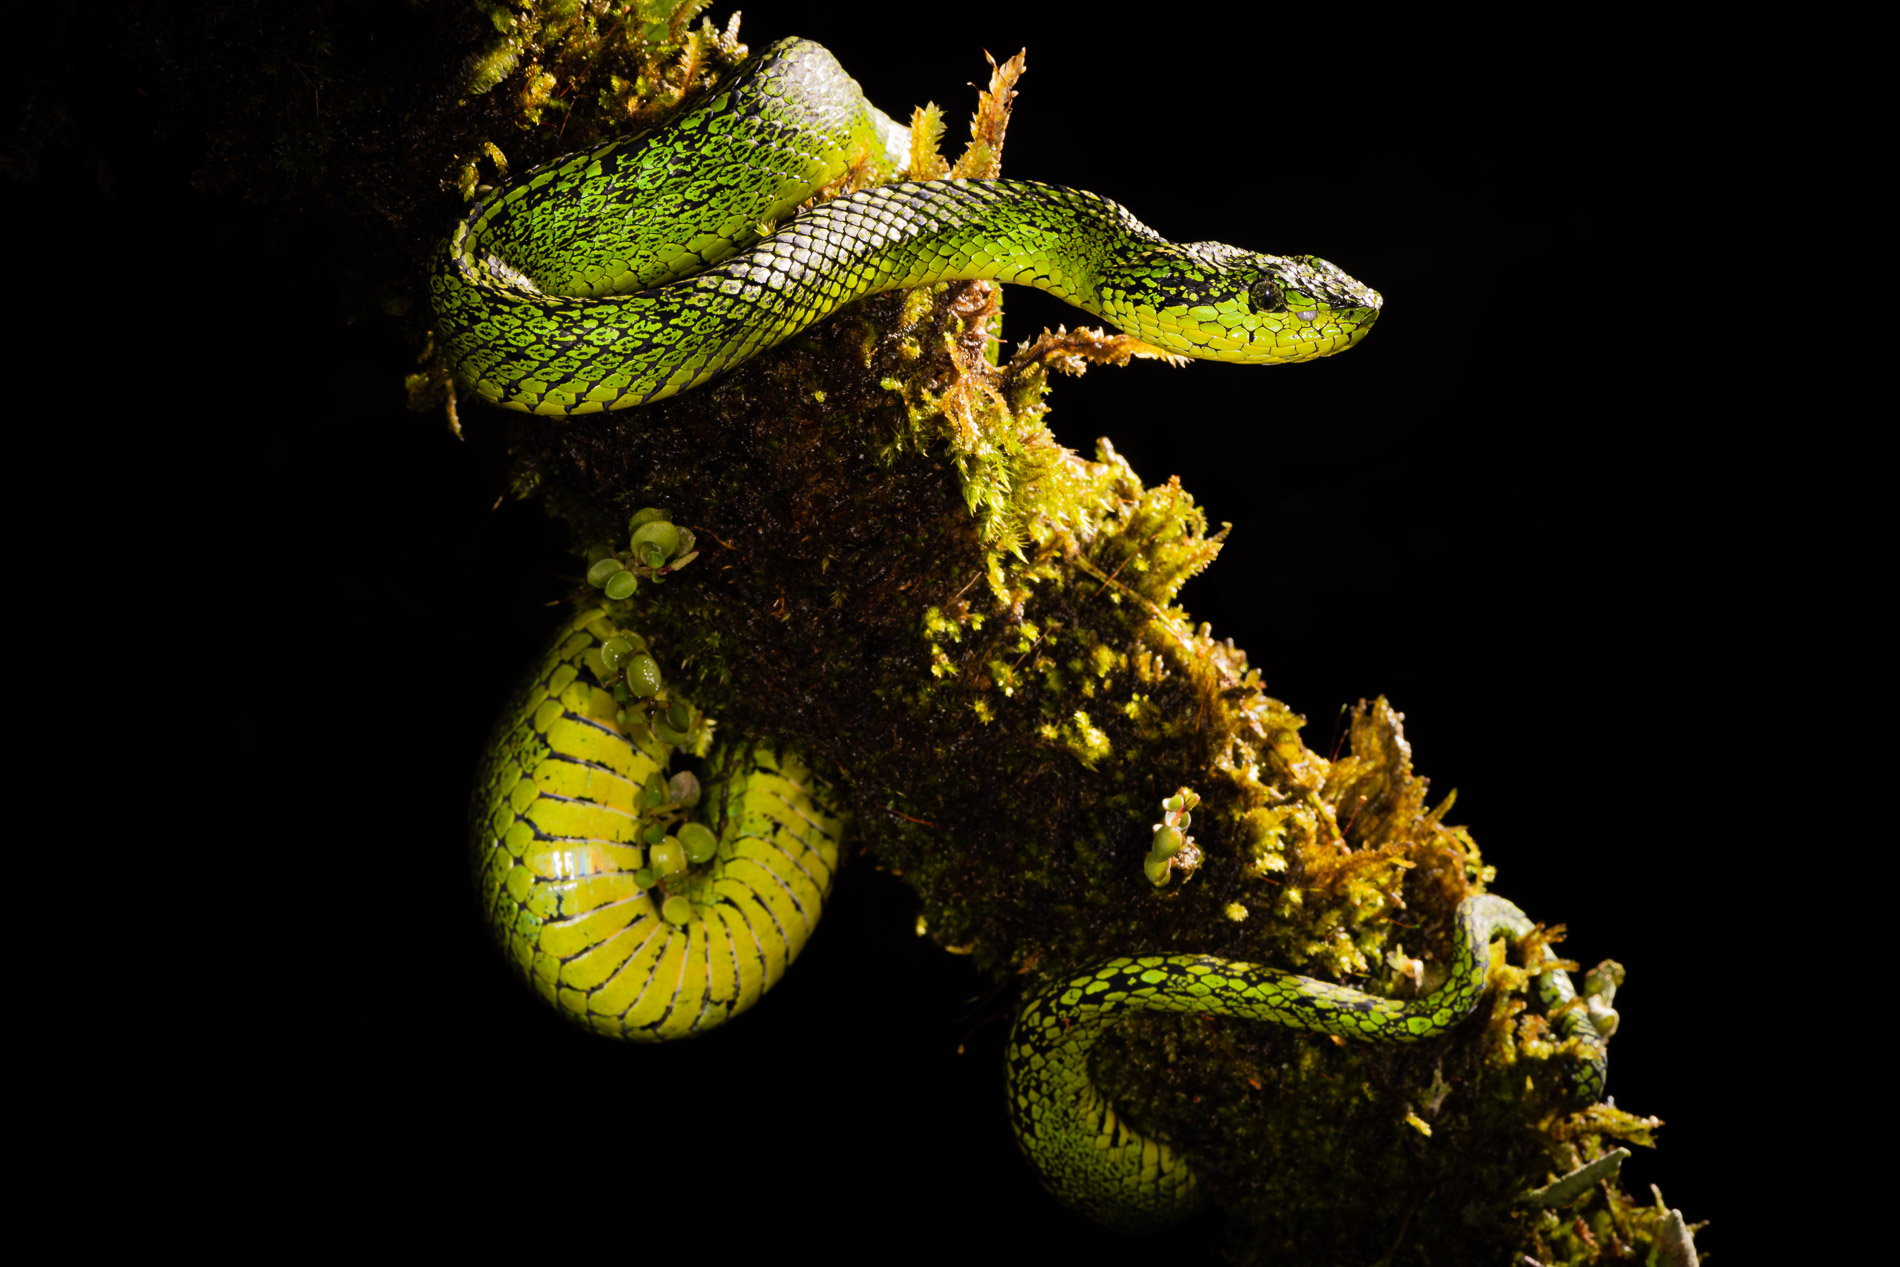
<point>643,676</point>
<point>683,789</point>
<point>659,533</point>
<point>668,857</point>
<point>698,841</point>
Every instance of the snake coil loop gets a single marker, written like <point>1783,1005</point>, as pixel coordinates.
<point>598,906</point>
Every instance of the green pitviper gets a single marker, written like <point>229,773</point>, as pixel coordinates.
<point>647,907</point>
<point>636,270</point>
<point>627,917</point>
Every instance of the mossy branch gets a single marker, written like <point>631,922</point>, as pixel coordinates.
<point>978,631</point>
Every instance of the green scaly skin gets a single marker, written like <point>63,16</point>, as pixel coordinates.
<point>1092,1160</point>
<point>560,819</point>
<point>634,271</point>
<point>637,270</point>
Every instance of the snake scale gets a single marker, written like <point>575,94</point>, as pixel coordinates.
<point>639,903</point>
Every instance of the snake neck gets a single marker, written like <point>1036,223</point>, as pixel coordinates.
<point>895,237</point>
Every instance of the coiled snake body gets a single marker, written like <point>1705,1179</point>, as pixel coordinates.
<point>647,907</point>
<point>571,806</point>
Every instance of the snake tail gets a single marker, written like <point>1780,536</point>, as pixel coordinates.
<point>647,266</point>
<point>640,906</point>
<point>1091,1159</point>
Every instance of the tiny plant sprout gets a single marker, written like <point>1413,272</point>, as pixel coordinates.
<point>699,842</point>
<point>621,584</point>
<point>668,857</point>
<point>678,715</point>
<point>654,791</point>
<point>615,652</point>
<point>644,517</point>
<point>643,675</point>
<point>676,909</point>
<point>1173,849</point>
<point>644,878</point>
<point>601,572</point>
<point>653,834</point>
<point>683,789</point>
<point>657,533</point>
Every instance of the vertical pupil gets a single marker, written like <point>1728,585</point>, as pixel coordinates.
<point>1266,295</point>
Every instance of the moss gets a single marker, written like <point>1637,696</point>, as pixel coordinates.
<point>903,574</point>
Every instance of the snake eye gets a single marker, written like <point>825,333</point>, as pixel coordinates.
<point>1266,297</point>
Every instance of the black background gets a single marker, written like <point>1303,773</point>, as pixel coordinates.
<point>1511,510</point>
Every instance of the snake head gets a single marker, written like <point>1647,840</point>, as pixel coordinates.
<point>1220,303</point>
